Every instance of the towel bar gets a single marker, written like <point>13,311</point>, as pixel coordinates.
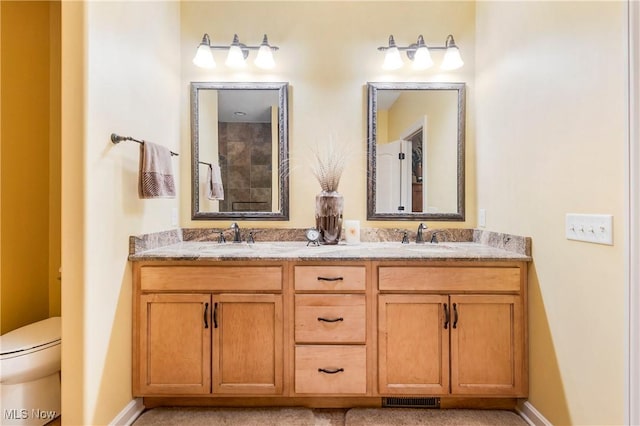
<point>117,139</point>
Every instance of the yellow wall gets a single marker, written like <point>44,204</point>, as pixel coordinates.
<point>30,187</point>
<point>0,170</point>
<point>550,138</point>
<point>121,74</point>
<point>327,54</point>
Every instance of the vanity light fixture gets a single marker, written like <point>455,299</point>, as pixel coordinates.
<point>237,55</point>
<point>392,59</point>
<point>420,54</point>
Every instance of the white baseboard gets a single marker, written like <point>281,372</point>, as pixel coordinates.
<point>129,413</point>
<point>532,416</point>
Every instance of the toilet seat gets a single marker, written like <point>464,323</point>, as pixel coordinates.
<point>30,338</point>
<point>28,351</point>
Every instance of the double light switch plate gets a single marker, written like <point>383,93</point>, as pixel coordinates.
<point>592,228</point>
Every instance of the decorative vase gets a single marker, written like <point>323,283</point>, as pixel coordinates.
<point>329,207</point>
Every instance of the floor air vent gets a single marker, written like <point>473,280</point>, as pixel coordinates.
<point>411,402</point>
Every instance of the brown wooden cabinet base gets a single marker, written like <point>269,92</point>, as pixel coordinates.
<point>323,402</point>
<point>259,333</point>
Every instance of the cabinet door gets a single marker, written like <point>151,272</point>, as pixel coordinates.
<point>413,352</point>
<point>247,345</point>
<point>487,345</point>
<point>174,344</point>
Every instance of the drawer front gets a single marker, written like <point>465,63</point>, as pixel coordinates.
<point>330,278</point>
<point>449,279</point>
<point>210,278</point>
<point>323,318</point>
<point>331,370</point>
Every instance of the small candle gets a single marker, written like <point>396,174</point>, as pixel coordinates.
<point>352,231</point>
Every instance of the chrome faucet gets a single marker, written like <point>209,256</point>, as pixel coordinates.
<point>237,238</point>
<point>419,237</point>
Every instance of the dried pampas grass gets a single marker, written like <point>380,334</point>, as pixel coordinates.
<point>328,163</point>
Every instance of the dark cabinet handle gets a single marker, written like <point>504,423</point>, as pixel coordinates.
<point>324,370</point>
<point>215,315</point>
<point>455,316</point>
<point>446,316</point>
<point>330,279</point>
<point>206,310</point>
<point>330,319</point>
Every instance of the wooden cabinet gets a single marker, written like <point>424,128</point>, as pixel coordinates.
<point>487,345</point>
<point>239,331</point>
<point>413,345</point>
<point>247,344</point>
<point>196,333</point>
<point>330,330</point>
<point>174,338</point>
<point>470,342</point>
<point>331,369</point>
<point>321,318</point>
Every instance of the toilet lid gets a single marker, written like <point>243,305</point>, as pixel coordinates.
<point>30,336</point>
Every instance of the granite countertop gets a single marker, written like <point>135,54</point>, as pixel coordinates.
<point>379,244</point>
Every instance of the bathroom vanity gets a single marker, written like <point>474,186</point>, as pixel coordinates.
<point>282,323</point>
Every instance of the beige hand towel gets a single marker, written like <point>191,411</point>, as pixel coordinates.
<point>214,180</point>
<point>156,175</point>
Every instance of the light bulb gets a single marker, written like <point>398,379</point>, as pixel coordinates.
<point>204,58</point>
<point>235,58</point>
<point>392,59</point>
<point>422,59</point>
<point>264,58</point>
<point>452,59</point>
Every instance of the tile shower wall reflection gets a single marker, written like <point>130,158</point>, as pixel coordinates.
<point>246,164</point>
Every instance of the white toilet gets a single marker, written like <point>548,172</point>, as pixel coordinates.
<point>30,373</point>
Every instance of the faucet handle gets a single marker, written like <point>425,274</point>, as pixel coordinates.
<point>405,238</point>
<point>250,238</point>
<point>221,238</point>
<point>434,237</point>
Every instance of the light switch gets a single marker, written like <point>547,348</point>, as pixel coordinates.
<point>592,228</point>
<point>482,218</point>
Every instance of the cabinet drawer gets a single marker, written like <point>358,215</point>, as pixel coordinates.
<point>210,278</point>
<point>331,370</point>
<point>448,278</point>
<point>330,278</point>
<point>323,318</point>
